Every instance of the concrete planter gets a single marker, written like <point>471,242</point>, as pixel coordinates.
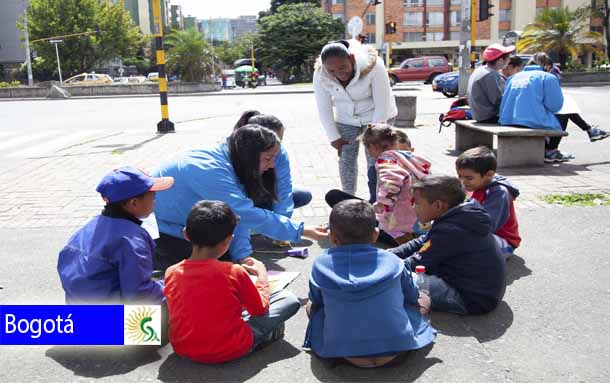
<point>109,90</point>
<point>407,109</point>
<point>585,78</point>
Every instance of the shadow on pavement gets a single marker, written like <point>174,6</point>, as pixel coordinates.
<point>516,269</point>
<point>99,362</point>
<point>178,369</point>
<point>407,367</point>
<point>484,328</point>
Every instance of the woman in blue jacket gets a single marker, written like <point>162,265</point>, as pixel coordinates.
<point>231,172</point>
<point>288,197</point>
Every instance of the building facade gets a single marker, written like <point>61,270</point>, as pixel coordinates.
<point>12,51</point>
<point>432,27</point>
<point>177,19</point>
<point>140,12</point>
<point>243,25</point>
<point>191,22</point>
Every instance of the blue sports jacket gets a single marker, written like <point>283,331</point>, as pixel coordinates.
<point>531,98</point>
<point>208,174</point>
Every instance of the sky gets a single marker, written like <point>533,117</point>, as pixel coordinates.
<point>204,9</point>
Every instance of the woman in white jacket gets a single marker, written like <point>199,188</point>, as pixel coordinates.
<point>351,78</point>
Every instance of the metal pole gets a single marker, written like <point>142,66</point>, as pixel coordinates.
<point>28,58</point>
<point>165,125</point>
<point>473,30</point>
<point>58,65</point>
<point>464,53</point>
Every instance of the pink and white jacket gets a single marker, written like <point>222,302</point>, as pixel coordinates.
<point>394,207</point>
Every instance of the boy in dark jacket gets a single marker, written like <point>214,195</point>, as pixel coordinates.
<point>110,258</point>
<point>464,265</point>
<point>476,168</point>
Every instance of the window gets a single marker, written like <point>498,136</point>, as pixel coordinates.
<point>412,36</point>
<point>455,17</point>
<point>413,3</point>
<point>598,29</point>
<point>338,2</point>
<point>415,63</point>
<point>370,19</point>
<point>371,38</point>
<point>434,18</point>
<point>436,62</point>
<point>413,18</point>
<point>454,35</point>
<point>435,3</point>
<point>506,15</point>
<point>434,36</point>
<point>338,16</point>
<point>456,2</point>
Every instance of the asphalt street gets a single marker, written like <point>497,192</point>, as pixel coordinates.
<point>552,325</point>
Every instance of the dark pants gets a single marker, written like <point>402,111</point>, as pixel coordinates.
<point>553,142</point>
<point>335,196</point>
<point>270,327</point>
<point>172,250</point>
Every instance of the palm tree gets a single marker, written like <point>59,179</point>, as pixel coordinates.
<point>560,31</point>
<point>189,55</point>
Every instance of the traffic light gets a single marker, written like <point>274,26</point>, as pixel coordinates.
<point>390,27</point>
<point>484,8</point>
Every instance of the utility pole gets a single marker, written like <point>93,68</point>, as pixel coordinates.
<point>465,46</point>
<point>165,125</point>
<point>28,58</point>
<point>56,42</point>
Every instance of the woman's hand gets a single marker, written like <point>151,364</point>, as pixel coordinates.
<point>338,144</point>
<point>315,232</point>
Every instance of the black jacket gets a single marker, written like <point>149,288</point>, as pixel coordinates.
<point>460,249</point>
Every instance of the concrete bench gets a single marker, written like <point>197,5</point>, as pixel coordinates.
<point>517,146</point>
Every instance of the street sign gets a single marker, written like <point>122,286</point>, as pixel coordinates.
<point>56,41</point>
<point>354,26</point>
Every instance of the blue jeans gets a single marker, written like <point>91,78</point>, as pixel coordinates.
<point>444,297</point>
<point>300,197</point>
<point>282,306</point>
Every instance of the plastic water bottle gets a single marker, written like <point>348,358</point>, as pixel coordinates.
<point>421,280</point>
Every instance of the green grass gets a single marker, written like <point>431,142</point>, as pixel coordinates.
<point>578,199</point>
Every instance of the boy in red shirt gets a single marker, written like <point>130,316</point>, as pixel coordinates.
<point>205,296</point>
<point>476,169</point>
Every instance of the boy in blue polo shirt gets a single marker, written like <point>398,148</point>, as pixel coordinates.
<point>110,258</point>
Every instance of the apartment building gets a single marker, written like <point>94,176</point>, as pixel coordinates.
<point>432,27</point>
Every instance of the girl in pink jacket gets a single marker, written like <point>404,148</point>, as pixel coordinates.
<point>395,169</point>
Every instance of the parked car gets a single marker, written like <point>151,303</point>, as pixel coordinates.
<point>129,80</point>
<point>89,79</point>
<point>153,76</point>
<point>448,83</point>
<point>417,69</point>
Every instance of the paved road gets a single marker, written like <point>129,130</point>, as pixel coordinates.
<point>552,325</point>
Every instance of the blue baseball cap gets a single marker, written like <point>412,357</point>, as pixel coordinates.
<point>128,182</point>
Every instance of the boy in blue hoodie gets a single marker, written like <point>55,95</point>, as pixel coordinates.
<point>476,168</point>
<point>363,301</point>
<point>463,262</point>
<point>110,258</point>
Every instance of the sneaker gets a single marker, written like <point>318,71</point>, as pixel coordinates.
<point>555,155</point>
<point>596,134</point>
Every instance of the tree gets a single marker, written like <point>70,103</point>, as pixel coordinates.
<point>228,52</point>
<point>189,55</point>
<point>118,38</point>
<point>291,39</point>
<point>276,4</point>
<point>560,31</point>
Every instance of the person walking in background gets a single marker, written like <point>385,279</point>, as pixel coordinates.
<point>351,78</point>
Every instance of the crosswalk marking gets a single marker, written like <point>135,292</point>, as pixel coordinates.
<point>53,145</point>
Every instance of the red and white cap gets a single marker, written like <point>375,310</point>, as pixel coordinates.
<point>495,51</point>
<point>420,269</point>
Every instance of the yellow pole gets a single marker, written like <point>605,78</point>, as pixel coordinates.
<point>389,51</point>
<point>165,125</point>
<point>473,30</point>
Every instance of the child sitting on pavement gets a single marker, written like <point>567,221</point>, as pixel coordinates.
<point>363,301</point>
<point>206,297</point>
<point>463,263</point>
<point>109,260</point>
<point>476,168</point>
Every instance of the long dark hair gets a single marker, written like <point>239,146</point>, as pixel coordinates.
<point>245,147</point>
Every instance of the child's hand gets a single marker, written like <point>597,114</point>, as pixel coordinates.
<point>315,232</point>
<point>255,267</point>
<point>425,303</point>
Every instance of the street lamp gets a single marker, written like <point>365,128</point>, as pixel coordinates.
<point>57,54</point>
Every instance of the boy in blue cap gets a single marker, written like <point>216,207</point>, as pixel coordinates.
<point>110,258</point>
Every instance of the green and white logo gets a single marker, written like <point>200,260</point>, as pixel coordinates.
<point>143,325</point>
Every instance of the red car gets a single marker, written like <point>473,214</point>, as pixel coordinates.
<point>424,68</point>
